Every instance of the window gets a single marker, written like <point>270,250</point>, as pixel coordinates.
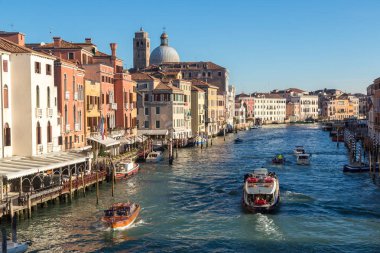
<point>48,69</point>
<point>219,73</point>
<point>38,133</point>
<point>38,96</point>
<point>157,124</point>
<point>75,114</point>
<point>189,74</point>
<point>48,97</point>
<point>6,103</point>
<point>157,110</point>
<point>73,84</point>
<point>5,65</point>
<point>7,135</point>
<point>146,111</point>
<point>146,124</point>
<point>208,74</point>
<point>37,67</point>
<point>49,139</point>
<point>70,56</point>
<point>146,97</point>
<point>65,82</point>
<point>66,115</point>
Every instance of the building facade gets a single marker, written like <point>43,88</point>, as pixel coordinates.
<point>269,108</point>
<point>198,100</point>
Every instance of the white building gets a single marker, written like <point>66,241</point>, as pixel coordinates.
<point>269,108</point>
<point>308,106</point>
<point>5,104</point>
<point>240,113</point>
<point>230,104</point>
<point>33,100</point>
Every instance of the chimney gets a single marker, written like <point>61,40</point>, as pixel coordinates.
<point>88,40</point>
<point>57,41</point>
<point>113,49</point>
<point>15,37</point>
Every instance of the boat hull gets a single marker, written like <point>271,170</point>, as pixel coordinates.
<point>126,174</point>
<point>358,168</point>
<point>261,209</point>
<point>123,222</point>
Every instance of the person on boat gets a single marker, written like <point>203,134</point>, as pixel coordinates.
<point>280,156</point>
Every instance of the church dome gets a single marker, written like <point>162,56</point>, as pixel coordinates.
<point>163,53</point>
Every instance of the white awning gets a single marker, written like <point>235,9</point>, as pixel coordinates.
<point>153,132</point>
<point>15,167</point>
<point>106,141</point>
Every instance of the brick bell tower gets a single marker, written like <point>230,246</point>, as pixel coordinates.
<point>141,50</point>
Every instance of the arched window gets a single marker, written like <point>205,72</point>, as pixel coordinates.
<point>5,95</point>
<point>38,96</point>
<point>7,135</point>
<point>66,114</point>
<point>48,97</point>
<point>38,133</point>
<point>49,132</point>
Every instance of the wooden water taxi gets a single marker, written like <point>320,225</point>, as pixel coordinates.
<point>126,169</point>
<point>261,191</point>
<point>303,159</point>
<point>121,215</point>
<point>299,150</point>
<point>154,156</point>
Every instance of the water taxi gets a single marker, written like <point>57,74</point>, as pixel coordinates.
<point>121,215</point>
<point>303,159</point>
<point>15,247</point>
<point>154,156</point>
<point>261,191</point>
<point>126,169</point>
<point>299,150</point>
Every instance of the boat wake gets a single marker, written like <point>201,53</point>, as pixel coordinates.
<point>290,196</point>
<point>267,227</point>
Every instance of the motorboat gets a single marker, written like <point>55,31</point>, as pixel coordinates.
<point>299,150</point>
<point>238,140</point>
<point>303,159</point>
<point>154,156</point>
<point>359,167</point>
<point>121,215</point>
<point>126,169</point>
<point>278,159</point>
<point>15,247</point>
<point>261,191</point>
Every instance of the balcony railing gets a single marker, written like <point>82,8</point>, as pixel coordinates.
<point>77,127</point>
<point>75,95</point>
<point>49,112</point>
<point>50,147</point>
<point>113,106</point>
<point>67,128</point>
<point>38,112</point>
<point>67,95</point>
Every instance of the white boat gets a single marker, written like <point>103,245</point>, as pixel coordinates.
<point>303,159</point>
<point>154,156</point>
<point>126,169</point>
<point>261,191</point>
<point>299,150</point>
<point>15,247</point>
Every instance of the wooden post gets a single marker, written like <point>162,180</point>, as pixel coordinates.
<point>370,160</point>
<point>29,207</point>
<point>113,180</point>
<point>4,236</point>
<point>224,134</point>
<point>11,213</point>
<point>14,229</point>
<point>176,151</point>
<point>83,184</point>
<point>71,184</point>
<point>97,187</point>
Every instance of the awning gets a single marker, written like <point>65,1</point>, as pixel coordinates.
<point>153,132</point>
<point>106,141</point>
<point>85,148</point>
<point>15,167</point>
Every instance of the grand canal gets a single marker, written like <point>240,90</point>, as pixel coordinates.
<point>194,205</point>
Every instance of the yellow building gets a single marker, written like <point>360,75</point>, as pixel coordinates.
<point>198,100</point>
<point>92,111</point>
<point>211,107</point>
<point>221,112</point>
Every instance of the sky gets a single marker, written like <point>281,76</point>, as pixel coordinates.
<point>264,44</point>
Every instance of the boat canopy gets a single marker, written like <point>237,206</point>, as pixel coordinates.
<point>260,172</point>
<point>260,188</point>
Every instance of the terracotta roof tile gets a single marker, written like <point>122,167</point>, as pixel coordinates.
<point>13,47</point>
<point>195,88</point>
<point>141,76</point>
<point>202,83</point>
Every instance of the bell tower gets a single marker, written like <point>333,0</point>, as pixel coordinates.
<point>141,50</point>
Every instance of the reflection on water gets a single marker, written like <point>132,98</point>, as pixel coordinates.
<point>194,205</point>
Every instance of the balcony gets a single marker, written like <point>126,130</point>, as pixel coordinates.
<point>126,106</point>
<point>117,133</point>
<point>50,147</point>
<point>38,112</point>
<point>67,128</point>
<point>40,148</point>
<point>49,112</point>
<point>67,95</point>
<point>113,106</point>
<point>75,96</point>
<point>77,127</point>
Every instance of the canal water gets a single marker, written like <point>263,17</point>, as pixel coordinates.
<point>195,205</point>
